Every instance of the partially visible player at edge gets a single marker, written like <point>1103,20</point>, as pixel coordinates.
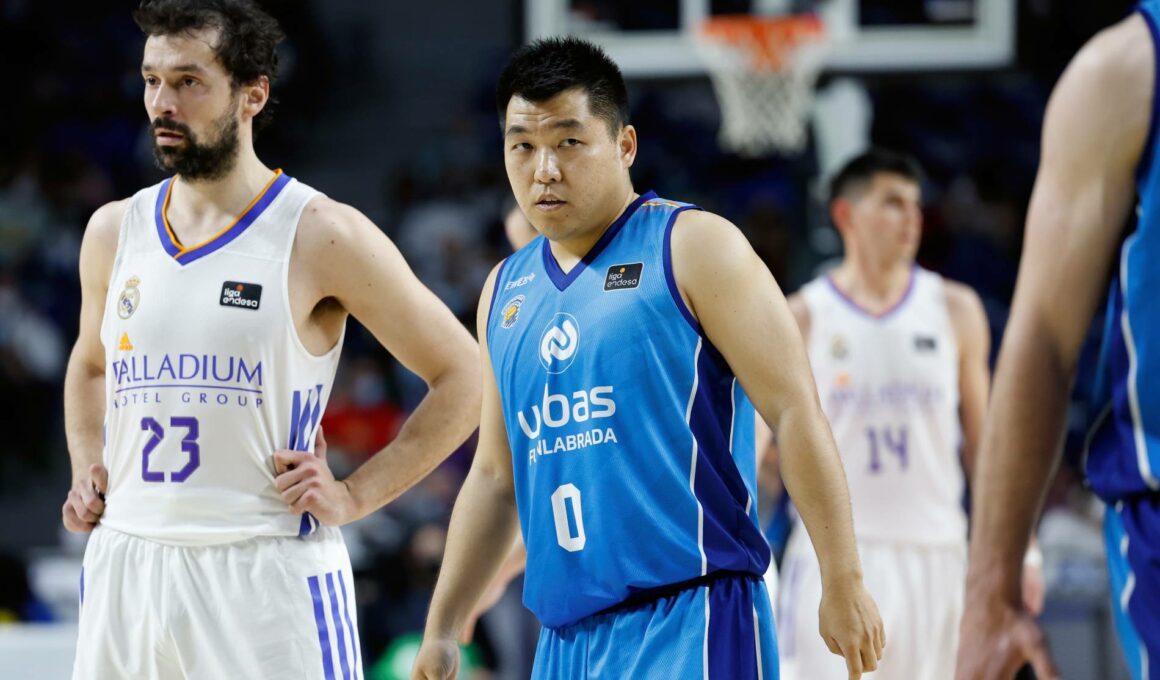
<point>621,349</point>
<point>1098,165</point>
<point>213,309</point>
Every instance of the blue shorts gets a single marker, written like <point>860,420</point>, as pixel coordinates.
<point>1132,539</point>
<point>721,630</point>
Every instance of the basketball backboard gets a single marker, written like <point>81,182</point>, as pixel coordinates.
<point>651,38</point>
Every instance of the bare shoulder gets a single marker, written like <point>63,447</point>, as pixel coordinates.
<point>104,226</point>
<point>1120,47</point>
<point>961,298</point>
<point>99,245</point>
<point>1108,88</point>
<point>700,227</point>
<point>326,221</point>
<point>336,242</point>
<point>1122,53</point>
<point>703,240</point>
<point>966,312</point>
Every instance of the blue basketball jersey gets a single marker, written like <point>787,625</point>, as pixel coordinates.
<point>631,439</point>
<point>1124,453</point>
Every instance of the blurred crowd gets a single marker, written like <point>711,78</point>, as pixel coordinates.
<point>75,139</point>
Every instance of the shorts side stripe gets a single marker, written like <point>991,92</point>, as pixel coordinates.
<point>338,626</point>
<point>354,641</point>
<point>757,643</point>
<point>323,631</point>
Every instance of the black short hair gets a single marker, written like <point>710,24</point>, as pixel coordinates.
<point>545,68</point>
<point>247,42</point>
<point>859,171</point>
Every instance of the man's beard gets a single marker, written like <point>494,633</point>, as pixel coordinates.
<point>193,160</point>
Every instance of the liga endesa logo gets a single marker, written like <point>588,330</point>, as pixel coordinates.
<point>239,294</point>
<point>559,342</point>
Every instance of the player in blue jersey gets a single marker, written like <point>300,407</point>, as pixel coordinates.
<point>1098,165</point>
<point>621,349</point>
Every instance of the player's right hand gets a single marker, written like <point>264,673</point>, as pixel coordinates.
<point>438,659</point>
<point>996,639</point>
<point>86,501</point>
<point>849,622</point>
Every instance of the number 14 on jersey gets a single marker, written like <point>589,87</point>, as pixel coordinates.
<point>886,442</point>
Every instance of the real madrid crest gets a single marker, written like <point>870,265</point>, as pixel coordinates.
<point>130,298</point>
<point>838,347</point>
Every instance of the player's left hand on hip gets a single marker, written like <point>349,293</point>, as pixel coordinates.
<point>851,626</point>
<point>307,485</point>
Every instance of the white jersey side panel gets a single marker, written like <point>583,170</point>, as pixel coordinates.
<point>206,376</point>
<point>889,386</point>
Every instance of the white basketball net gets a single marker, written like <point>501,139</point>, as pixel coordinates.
<point>764,109</point>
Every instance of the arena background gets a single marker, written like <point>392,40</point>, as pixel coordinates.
<point>389,106</point>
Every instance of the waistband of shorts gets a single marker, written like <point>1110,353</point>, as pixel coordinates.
<point>323,534</point>
<point>649,595</point>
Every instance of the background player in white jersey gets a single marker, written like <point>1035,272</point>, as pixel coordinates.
<point>900,358</point>
<point>212,320</point>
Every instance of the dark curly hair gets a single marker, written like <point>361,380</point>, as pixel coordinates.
<point>247,44</point>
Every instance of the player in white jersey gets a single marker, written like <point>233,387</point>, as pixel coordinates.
<point>900,359</point>
<point>213,309</point>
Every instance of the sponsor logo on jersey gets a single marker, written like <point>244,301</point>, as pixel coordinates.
<point>838,347</point>
<point>130,298</point>
<point>623,276</point>
<point>244,295</point>
<point>558,343</point>
<point>125,345</point>
<point>511,311</point>
<point>522,281</point>
<point>191,378</point>
<point>894,397</point>
<point>925,343</point>
<point>179,368</point>
<point>562,410</point>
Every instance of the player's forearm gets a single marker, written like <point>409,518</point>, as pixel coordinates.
<point>439,425</point>
<point>483,525</point>
<point>813,475</point>
<point>1019,450</point>
<point>84,414</point>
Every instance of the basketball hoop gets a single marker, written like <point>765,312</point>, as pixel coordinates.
<point>764,70</point>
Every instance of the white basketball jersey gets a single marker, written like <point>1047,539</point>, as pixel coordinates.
<point>206,376</point>
<point>889,385</point>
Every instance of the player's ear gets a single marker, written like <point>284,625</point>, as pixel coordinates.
<point>626,145</point>
<point>254,97</point>
<point>840,209</point>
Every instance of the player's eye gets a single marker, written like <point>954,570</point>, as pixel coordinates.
<point>571,141</point>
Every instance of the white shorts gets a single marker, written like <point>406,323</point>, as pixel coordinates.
<point>919,593</point>
<point>268,607</point>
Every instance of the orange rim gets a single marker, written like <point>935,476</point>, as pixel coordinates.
<point>769,41</point>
